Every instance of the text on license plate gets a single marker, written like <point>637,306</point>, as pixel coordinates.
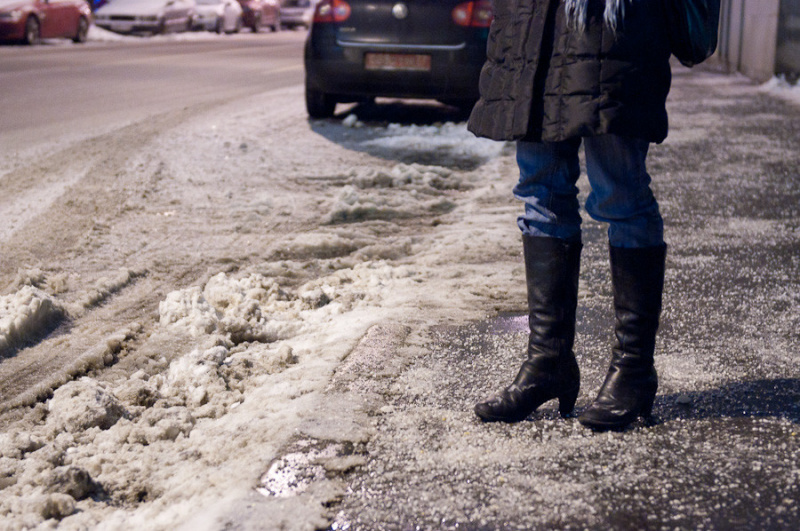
<point>398,61</point>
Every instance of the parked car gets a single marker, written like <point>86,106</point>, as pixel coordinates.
<point>361,49</point>
<point>297,13</point>
<point>222,16</point>
<point>30,21</point>
<point>146,16</point>
<point>260,13</point>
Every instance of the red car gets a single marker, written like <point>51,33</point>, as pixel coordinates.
<point>30,21</point>
<point>259,13</point>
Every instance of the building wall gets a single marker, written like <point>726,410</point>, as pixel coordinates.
<point>748,37</point>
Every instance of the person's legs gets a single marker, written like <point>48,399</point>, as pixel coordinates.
<point>622,197</point>
<point>551,245</point>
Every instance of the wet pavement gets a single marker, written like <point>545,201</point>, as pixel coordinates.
<point>724,448</point>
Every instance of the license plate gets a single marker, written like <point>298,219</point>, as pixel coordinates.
<point>121,26</point>
<point>398,61</point>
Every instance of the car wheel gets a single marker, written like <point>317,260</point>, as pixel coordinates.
<point>319,104</point>
<point>32,31</point>
<point>220,26</point>
<point>83,30</point>
<point>256,25</point>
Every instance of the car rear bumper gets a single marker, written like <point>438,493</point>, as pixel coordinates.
<point>337,67</point>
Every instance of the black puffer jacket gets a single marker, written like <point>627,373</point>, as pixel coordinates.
<point>544,81</point>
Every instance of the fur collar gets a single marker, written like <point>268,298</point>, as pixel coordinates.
<point>577,13</point>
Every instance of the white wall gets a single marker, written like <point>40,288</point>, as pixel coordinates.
<point>748,37</point>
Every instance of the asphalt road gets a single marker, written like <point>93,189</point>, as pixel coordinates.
<point>55,90</point>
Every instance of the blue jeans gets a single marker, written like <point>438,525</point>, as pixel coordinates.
<point>620,196</point>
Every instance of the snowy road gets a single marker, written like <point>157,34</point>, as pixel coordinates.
<point>60,92</point>
<point>228,316</point>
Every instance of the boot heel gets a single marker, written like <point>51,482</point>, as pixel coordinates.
<point>566,402</point>
<point>647,407</point>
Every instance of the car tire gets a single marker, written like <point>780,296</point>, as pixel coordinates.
<point>33,33</point>
<point>319,104</point>
<point>220,26</point>
<point>83,30</point>
<point>256,27</point>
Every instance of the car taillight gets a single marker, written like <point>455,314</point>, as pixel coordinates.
<point>332,11</point>
<point>476,14</point>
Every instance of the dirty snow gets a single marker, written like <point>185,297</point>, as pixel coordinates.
<point>260,343</point>
<point>780,87</point>
<point>24,315</point>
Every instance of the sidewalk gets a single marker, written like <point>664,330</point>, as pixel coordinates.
<point>725,449</point>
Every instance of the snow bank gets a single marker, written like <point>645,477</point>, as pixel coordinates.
<point>228,307</point>
<point>25,315</point>
<point>103,288</point>
<point>30,312</point>
<point>415,190</point>
<point>83,404</point>
<point>257,308</point>
<point>449,139</point>
<point>97,34</point>
<point>262,349</point>
<point>780,87</point>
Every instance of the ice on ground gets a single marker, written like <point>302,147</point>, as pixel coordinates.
<point>24,315</point>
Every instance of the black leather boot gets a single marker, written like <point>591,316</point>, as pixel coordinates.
<point>551,371</point>
<point>630,386</point>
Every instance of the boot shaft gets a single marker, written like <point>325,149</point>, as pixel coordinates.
<point>637,276</point>
<point>551,269</point>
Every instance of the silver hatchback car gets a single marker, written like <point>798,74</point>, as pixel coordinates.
<point>296,13</point>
